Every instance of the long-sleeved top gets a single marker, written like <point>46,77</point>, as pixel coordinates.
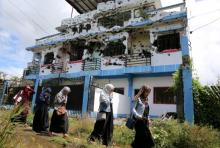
<point>44,98</point>
<point>105,102</point>
<point>60,100</point>
<point>139,109</point>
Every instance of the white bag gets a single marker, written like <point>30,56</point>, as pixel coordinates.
<point>16,98</point>
<point>101,116</point>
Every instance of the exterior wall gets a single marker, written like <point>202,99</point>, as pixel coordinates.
<point>166,58</point>
<point>139,41</point>
<point>118,83</point>
<point>155,109</point>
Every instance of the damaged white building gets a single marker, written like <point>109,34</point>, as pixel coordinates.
<point>128,43</point>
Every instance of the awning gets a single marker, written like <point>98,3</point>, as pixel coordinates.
<point>83,6</point>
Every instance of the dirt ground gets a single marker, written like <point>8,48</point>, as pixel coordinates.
<point>26,138</point>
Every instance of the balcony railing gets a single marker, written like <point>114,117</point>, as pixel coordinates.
<point>33,68</point>
<point>138,59</point>
<point>91,64</point>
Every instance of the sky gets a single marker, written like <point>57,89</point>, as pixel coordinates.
<point>23,21</point>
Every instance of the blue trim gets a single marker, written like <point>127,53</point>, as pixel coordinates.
<point>188,97</point>
<point>184,45</point>
<point>130,90</point>
<point>31,77</point>
<point>6,83</point>
<point>165,18</point>
<point>172,28</point>
<point>35,94</point>
<point>122,72</point>
<point>85,94</point>
<point>187,84</point>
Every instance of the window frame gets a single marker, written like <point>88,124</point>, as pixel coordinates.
<point>155,100</point>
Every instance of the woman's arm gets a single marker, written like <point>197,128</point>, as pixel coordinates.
<point>135,113</point>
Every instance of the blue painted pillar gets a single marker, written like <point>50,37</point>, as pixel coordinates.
<point>36,84</point>
<point>85,94</point>
<point>130,88</point>
<point>187,81</point>
<point>6,82</point>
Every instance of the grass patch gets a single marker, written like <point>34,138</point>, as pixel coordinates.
<point>167,134</point>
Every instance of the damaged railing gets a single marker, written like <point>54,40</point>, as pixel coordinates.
<point>58,68</point>
<point>138,59</point>
<point>32,69</point>
<point>91,64</point>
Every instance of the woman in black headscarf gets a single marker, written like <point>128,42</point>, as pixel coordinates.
<point>103,129</point>
<point>41,120</point>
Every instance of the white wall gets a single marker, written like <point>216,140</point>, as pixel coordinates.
<point>156,109</point>
<point>118,83</point>
<point>121,103</point>
<point>166,58</point>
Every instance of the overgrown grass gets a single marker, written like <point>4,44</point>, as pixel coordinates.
<point>171,134</point>
<point>7,127</point>
<point>167,134</point>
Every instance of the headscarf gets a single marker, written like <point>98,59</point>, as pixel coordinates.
<point>60,97</point>
<point>44,91</point>
<point>66,88</point>
<point>108,88</point>
<point>106,93</point>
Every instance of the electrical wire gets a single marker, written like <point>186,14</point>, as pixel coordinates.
<point>39,15</point>
<point>18,21</point>
<point>202,14</point>
<point>205,25</point>
<point>33,21</point>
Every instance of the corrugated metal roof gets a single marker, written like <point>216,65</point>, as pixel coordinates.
<point>83,6</point>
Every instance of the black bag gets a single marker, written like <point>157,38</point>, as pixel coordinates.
<point>131,121</point>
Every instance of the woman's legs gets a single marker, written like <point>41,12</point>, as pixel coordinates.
<point>143,137</point>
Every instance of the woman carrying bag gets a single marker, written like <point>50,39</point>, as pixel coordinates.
<point>59,120</point>
<point>103,129</point>
<point>140,111</point>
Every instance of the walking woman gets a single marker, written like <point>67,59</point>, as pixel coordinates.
<point>59,121</point>
<point>41,117</point>
<point>22,100</point>
<point>103,129</point>
<point>143,137</point>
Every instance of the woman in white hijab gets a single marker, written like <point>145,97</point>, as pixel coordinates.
<point>103,129</point>
<point>59,120</point>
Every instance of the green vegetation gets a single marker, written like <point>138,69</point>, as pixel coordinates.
<point>167,134</point>
<point>206,101</point>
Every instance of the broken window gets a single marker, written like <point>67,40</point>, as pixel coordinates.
<point>143,12</point>
<point>77,49</point>
<point>163,95</point>
<point>48,58</point>
<point>117,19</point>
<point>119,90</point>
<point>114,48</point>
<point>167,42</point>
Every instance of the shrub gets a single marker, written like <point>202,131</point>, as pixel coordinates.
<point>171,134</point>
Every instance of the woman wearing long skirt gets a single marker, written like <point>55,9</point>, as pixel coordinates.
<point>59,120</point>
<point>143,137</point>
<point>41,117</point>
<point>103,128</point>
<point>22,100</point>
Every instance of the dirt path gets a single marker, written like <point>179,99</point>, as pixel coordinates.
<point>28,139</point>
